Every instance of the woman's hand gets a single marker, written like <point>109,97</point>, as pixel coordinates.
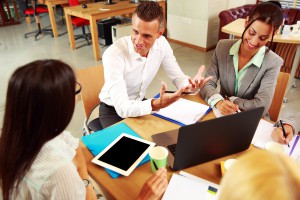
<point>277,134</point>
<point>226,107</point>
<point>155,186</point>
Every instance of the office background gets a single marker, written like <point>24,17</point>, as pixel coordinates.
<point>15,51</point>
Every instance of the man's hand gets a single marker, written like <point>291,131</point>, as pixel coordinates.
<point>226,107</point>
<point>198,81</point>
<point>155,186</point>
<point>277,134</point>
<point>167,99</point>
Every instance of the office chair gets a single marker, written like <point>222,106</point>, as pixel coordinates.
<point>80,22</point>
<point>282,82</point>
<point>35,11</point>
<point>92,80</point>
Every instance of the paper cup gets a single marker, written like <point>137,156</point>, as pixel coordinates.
<point>228,163</point>
<point>274,147</point>
<point>158,156</point>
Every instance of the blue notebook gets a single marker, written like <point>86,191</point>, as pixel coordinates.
<point>99,140</point>
<point>166,118</point>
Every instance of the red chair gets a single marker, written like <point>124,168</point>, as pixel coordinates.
<point>80,22</point>
<point>35,11</point>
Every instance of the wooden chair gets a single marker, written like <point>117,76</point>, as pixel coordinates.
<point>91,80</point>
<point>282,82</point>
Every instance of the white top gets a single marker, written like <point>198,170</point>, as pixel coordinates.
<point>53,174</point>
<point>128,75</point>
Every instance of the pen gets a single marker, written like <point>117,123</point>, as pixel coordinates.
<point>283,130</point>
<point>206,112</point>
<point>181,92</point>
<point>227,98</point>
<point>156,168</point>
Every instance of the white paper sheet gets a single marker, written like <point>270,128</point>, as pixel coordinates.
<point>187,186</point>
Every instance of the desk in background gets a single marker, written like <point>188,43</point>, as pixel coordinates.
<point>51,5</point>
<point>92,13</point>
<point>129,187</point>
<point>237,27</point>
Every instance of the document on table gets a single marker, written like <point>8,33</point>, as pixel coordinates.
<point>187,186</point>
<point>184,111</point>
<point>263,134</point>
<point>217,112</point>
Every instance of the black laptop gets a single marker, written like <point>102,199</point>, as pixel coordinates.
<point>208,140</point>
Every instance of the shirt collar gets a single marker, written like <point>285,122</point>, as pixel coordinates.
<point>257,58</point>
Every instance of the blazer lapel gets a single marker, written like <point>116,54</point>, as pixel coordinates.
<point>248,79</point>
<point>230,75</point>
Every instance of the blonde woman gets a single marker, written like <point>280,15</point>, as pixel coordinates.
<point>262,175</point>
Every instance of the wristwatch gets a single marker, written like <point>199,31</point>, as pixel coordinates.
<point>86,182</point>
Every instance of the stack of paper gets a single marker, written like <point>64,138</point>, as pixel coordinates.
<point>183,112</point>
<point>187,186</point>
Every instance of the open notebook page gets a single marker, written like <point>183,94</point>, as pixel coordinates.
<point>184,111</point>
<point>187,186</point>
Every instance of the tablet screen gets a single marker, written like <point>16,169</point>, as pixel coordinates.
<point>124,153</point>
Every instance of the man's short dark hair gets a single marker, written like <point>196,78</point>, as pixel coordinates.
<point>149,11</point>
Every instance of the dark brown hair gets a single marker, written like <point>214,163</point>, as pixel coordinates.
<point>39,105</point>
<point>268,13</point>
<point>149,11</point>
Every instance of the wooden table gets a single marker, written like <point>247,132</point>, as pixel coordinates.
<point>236,28</point>
<point>92,13</point>
<point>51,6</point>
<point>129,187</point>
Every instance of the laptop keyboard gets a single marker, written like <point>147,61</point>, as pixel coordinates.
<point>172,148</point>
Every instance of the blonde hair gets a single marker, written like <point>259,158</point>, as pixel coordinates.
<point>261,175</point>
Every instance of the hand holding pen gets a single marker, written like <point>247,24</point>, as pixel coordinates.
<point>279,136</point>
<point>227,107</point>
<point>283,130</point>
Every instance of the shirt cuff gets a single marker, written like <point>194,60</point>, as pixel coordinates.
<point>214,99</point>
<point>145,107</point>
<point>232,98</point>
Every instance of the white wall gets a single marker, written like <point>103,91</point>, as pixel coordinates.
<point>196,21</point>
<point>236,3</point>
<point>187,21</point>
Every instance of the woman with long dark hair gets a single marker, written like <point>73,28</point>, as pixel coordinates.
<point>39,160</point>
<point>247,68</point>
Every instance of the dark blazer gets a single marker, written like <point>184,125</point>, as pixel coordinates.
<point>258,85</point>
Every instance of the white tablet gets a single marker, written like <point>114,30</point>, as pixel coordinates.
<point>124,154</point>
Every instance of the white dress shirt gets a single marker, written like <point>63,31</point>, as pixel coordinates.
<point>128,75</point>
<point>53,174</point>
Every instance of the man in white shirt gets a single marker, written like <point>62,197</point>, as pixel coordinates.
<point>131,63</point>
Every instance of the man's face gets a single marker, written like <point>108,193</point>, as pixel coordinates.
<point>144,34</point>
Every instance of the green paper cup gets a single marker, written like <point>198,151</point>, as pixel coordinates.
<point>158,157</point>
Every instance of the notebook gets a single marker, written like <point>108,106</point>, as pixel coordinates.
<point>208,140</point>
<point>183,112</point>
<point>188,186</point>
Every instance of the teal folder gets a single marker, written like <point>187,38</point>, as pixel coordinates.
<point>98,141</point>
